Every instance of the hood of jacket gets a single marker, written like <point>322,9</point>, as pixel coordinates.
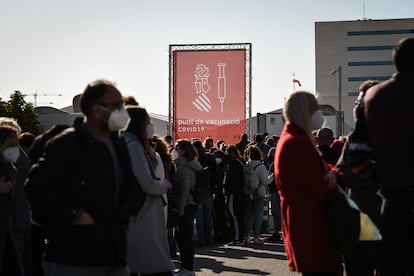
<point>193,164</point>
<point>253,163</point>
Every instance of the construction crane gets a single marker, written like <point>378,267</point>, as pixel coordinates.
<point>35,95</point>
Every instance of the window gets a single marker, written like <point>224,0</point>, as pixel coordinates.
<point>371,48</point>
<point>383,32</point>
<point>370,63</point>
<point>379,78</point>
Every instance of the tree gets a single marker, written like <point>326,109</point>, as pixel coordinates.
<point>23,112</point>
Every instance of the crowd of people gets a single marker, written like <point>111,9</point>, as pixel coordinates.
<point>108,196</point>
<point>96,198</point>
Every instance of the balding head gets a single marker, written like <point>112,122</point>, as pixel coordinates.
<point>325,136</point>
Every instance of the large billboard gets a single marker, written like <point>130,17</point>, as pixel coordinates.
<point>209,93</point>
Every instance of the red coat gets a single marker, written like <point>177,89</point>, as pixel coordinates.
<point>299,172</point>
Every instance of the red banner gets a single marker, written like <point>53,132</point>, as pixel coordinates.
<point>209,94</point>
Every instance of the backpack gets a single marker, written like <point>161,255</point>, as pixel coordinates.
<point>202,189</point>
<point>251,179</point>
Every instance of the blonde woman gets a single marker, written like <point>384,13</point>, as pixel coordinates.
<point>304,181</point>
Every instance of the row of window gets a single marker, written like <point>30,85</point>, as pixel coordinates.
<point>370,63</point>
<point>382,32</point>
<point>378,78</point>
<point>361,79</point>
<point>373,48</point>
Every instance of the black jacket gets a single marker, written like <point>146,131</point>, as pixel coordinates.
<point>208,160</point>
<point>234,177</point>
<point>77,173</point>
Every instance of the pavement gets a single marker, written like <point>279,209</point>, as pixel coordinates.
<point>255,259</point>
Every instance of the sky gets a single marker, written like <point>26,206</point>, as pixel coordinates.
<point>54,48</point>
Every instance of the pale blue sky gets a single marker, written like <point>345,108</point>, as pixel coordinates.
<point>58,46</point>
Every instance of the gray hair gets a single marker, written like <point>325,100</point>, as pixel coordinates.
<point>11,122</point>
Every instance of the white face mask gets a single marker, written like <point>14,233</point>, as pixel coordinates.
<point>11,154</point>
<point>118,120</point>
<point>218,160</point>
<point>174,154</point>
<point>150,130</point>
<point>317,120</point>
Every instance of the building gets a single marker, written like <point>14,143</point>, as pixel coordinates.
<point>346,54</point>
<point>350,52</point>
<point>273,122</point>
<point>50,116</point>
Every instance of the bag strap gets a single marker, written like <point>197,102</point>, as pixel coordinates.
<point>254,168</point>
<point>128,141</point>
<point>240,162</point>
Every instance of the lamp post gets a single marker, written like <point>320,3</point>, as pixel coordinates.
<point>333,72</point>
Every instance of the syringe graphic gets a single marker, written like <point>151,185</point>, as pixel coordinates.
<point>221,92</point>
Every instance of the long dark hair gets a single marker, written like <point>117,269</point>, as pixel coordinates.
<point>253,152</point>
<point>138,123</point>
<point>162,148</point>
<point>189,149</point>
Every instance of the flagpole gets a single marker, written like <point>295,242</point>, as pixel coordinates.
<point>293,77</point>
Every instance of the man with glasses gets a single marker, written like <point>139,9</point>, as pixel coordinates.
<point>80,190</point>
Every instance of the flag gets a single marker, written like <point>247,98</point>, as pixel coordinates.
<point>297,81</point>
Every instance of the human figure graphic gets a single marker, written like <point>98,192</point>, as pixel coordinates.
<point>202,102</point>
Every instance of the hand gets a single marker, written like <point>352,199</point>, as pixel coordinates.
<point>85,219</point>
<point>169,185</point>
<point>5,186</point>
<point>330,177</point>
<point>151,152</point>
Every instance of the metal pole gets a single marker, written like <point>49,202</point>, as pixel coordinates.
<point>170,79</point>
<point>341,120</point>
<point>250,90</point>
<point>339,88</point>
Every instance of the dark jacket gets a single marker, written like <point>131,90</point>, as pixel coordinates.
<point>77,174</point>
<point>208,160</point>
<point>358,168</point>
<point>389,113</point>
<point>10,263</point>
<point>20,206</point>
<point>234,177</point>
<point>241,145</point>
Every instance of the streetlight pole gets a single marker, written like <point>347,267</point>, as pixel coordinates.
<point>333,72</point>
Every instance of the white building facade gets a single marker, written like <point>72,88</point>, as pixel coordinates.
<point>350,52</point>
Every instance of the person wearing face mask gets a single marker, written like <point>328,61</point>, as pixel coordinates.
<point>81,189</point>
<point>304,181</point>
<point>148,250</point>
<point>20,210</point>
<point>10,263</point>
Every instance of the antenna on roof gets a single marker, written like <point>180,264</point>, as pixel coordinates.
<point>363,10</point>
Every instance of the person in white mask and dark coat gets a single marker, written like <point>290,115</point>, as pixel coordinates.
<point>10,263</point>
<point>81,190</point>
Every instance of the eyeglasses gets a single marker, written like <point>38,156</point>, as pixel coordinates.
<point>114,105</point>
